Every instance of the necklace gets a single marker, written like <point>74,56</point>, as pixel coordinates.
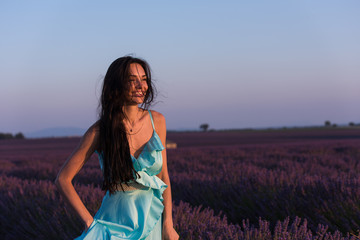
<point>130,140</point>
<point>131,131</point>
<point>131,128</point>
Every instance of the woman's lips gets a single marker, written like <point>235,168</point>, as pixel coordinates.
<point>138,94</point>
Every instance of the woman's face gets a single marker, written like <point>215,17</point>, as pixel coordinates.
<point>137,84</point>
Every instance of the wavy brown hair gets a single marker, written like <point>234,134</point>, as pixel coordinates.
<point>113,142</point>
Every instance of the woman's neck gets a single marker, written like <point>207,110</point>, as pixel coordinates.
<point>132,113</point>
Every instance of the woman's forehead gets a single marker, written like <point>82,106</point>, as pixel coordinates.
<point>136,70</point>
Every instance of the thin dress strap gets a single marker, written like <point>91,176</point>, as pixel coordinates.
<point>152,121</point>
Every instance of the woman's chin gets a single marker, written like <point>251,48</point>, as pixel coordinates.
<point>135,99</point>
<point>134,103</point>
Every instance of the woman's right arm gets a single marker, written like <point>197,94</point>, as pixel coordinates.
<point>88,144</point>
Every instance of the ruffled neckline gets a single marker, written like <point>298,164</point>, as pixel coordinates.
<point>151,145</point>
<point>149,160</point>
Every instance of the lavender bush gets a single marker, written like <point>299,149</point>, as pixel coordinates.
<point>33,209</point>
<point>319,182</point>
<point>296,190</point>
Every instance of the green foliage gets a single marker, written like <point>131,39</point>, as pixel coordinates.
<point>327,123</point>
<point>204,127</point>
<point>6,136</point>
<point>19,135</point>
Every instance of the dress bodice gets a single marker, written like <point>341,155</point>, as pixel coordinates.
<point>150,158</point>
<point>149,163</point>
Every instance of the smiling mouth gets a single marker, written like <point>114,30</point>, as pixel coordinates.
<point>138,94</point>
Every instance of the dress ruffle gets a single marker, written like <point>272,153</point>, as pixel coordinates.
<point>133,214</point>
<point>150,159</point>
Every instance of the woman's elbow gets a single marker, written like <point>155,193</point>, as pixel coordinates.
<point>60,181</point>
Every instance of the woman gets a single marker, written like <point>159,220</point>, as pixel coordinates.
<point>129,141</point>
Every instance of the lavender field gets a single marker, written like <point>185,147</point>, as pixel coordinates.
<point>278,184</point>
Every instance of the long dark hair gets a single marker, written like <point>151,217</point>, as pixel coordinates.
<point>113,142</point>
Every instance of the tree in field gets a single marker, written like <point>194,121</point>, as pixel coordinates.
<point>19,136</point>
<point>204,127</point>
<point>10,136</point>
<point>6,136</point>
<point>327,123</point>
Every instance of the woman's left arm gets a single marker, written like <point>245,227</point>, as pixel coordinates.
<point>168,226</point>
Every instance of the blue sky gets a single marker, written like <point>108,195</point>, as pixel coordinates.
<point>231,64</point>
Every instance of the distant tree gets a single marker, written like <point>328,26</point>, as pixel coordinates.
<point>19,135</point>
<point>327,123</point>
<point>6,136</point>
<point>10,136</point>
<point>204,127</point>
<point>334,125</point>
<point>351,124</point>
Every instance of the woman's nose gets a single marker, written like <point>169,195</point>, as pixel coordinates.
<point>138,83</point>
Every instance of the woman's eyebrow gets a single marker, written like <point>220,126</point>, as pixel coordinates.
<point>136,75</point>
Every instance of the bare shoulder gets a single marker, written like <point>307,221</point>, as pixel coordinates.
<point>159,121</point>
<point>93,129</point>
<point>91,136</point>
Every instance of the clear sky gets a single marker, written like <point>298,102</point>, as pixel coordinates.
<point>231,64</point>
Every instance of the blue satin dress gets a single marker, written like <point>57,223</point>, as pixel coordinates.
<point>137,212</point>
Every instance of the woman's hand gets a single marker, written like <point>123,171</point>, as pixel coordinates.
<point>169,233</point>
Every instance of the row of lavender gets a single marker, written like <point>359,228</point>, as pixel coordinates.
<point>318,182</point>
<point>32,209</point>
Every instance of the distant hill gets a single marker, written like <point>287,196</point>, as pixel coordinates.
<point>56,132</point>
